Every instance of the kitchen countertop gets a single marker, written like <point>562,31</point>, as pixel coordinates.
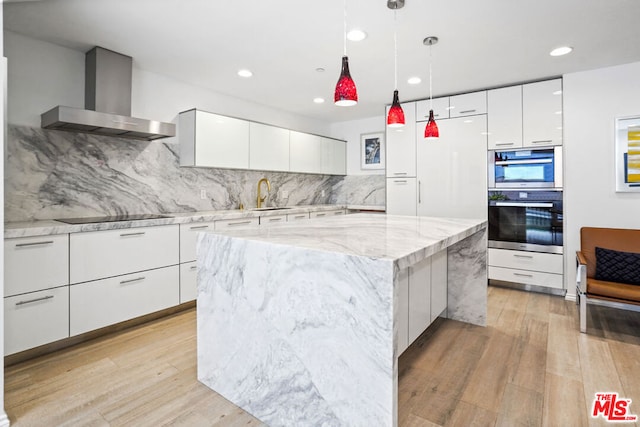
<point>52,227</point>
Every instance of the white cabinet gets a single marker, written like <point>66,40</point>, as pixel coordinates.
<point>268,147</point>
<point>401,196</point>
<point>334,156</point>
<point>439,278</point>
<point>36,318</point>
<point>468,104</point>
<point>401,146</point>
<point>452,173</point>
<point>212,140</point>
<point>189,237</point>
<point>188,282</point>
<point>108,301</point>
<point>224,224</point>
<point>35,263</point>
<point>542,113</point>
<point>505,118</point>
<point>99,254</point>
<point>298,217</point>
<point>322,214</point>
<point>402,318</point>
<point>305,152</point>
<point>440,109</point>
<point>529,268</point>
<point>419,298</point>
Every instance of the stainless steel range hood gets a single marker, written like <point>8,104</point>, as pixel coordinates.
<point>107,101</point>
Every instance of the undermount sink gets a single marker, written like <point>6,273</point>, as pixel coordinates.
<point>268,209</point>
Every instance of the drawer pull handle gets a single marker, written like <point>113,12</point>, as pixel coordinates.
<point>467,111</point>
<point>238,223</point>
<point>193,267</point>
<point>275,219</point>
<point>502,144</point>
<point>338,213</point>
<point>34,300</point>
<point>139,233</point>
<point>541,141</point>
<point>522,275</point>
<point>46,242</point>
<point>419,191</point>
<point>399,181</point>
<point>320,214</point>
<point>399,173</point>
<point>199,227</point>
<point>300,216</point>
<point>137,279</point>
<point>523,256</point>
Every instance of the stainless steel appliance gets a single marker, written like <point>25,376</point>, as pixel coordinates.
<point>528,168</point>
<point>95,219</point>
<point>527,221</point>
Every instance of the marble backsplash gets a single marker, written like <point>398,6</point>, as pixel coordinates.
<point>55,174</point>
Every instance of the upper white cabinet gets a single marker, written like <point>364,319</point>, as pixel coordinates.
<point>401,196</point>
<point>542,113</point>
<point>334,156</point>
<point>401,145</point>
<point>505,117</point>
<point>440,108</point>
<point>211,140</point>
<point>468,104</point>
<point>268,147</point>
<point>306,152</point>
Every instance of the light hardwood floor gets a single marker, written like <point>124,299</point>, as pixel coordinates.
<point>529,367</point>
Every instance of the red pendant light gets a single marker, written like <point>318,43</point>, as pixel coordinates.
<point>346,93</point>
<point>395,118</point>
<point>431,130</point>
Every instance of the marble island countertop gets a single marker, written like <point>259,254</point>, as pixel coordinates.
<point>52,227</point>
<point>402,239</point>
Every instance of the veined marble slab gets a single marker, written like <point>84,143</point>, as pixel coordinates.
<point>298,323</point>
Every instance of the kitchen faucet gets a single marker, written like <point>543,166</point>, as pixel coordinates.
<point>261,199</point>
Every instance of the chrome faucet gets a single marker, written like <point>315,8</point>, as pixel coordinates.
<point>261,199</point>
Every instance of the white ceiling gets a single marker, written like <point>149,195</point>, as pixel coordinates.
<point>204,42</point>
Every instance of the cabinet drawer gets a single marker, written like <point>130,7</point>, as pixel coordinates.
<point>526,277</point>
<point>188,282</point>
<point>226,224</point>
<point>298,217</point>
<point>100,303</point>
<point>34,319</point>
<point>534,261</point>
<point>274,219</point>
<point>100,254</point>
<point>35,263</point>
<point>188,237</point>
<point>468,104</point>
<point>440,109</point>
<point>327,213</point>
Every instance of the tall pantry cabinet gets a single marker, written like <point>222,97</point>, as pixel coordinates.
<point>401,164</point>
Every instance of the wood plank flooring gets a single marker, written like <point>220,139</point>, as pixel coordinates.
<point>529,367</point>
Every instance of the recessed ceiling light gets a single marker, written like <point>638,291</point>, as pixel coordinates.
<point>245,73</point>
<point>559,51</point>
<point>414,80</point>
<point>558,112</point>
<point>558,92</point>
<point>318,100</point>
<point>468,121</point>
<point>356,35</point>
<point>450,108</point>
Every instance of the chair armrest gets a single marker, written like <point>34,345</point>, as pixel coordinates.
<point>581,273</point>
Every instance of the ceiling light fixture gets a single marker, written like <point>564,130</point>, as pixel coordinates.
<point>395,118</point>
<point>245,73</point>
<point>414,80</point>
<point>356,35</point>
<point>346,93</point>
<point>431,130</point>
<point>318,100</point>
<point>559,51</point>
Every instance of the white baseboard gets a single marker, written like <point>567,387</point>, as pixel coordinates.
<point>570,297</point>
<point>4,420</point>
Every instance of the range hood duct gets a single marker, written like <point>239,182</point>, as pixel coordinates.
<point>107,100</point>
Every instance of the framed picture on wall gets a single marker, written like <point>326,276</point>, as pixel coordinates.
<point>372,150</point>
<point>627,154</point>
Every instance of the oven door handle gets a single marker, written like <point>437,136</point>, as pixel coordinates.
<point>525,205</point>
<point>523,162</point>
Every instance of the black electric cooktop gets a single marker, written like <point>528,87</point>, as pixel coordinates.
<point>95,219</point>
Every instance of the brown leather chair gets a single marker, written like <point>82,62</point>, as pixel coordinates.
<point>588,287</point>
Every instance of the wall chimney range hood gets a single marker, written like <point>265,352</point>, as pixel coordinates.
<point>107,102</point>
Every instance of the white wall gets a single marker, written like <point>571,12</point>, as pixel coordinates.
<point>592,101</point>
<point>4,420</point>
<point>351,131</point>
<point>43,75</point>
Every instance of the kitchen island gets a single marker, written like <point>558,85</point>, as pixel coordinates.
<point>303,324</point>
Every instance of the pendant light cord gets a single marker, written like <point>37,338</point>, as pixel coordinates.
<point>430,87</point>
<point>395,49</point>
<point>345,28</point>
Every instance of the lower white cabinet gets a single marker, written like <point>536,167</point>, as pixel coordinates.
<point>188,282</point>
<point>100,303</point>
<point>419,298</point>
<point>401,196</point>
<point>439,278</point>
<point>36,318</point>
<point>529,268</point>
<point>189,237</point>
<point>225,224</point>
